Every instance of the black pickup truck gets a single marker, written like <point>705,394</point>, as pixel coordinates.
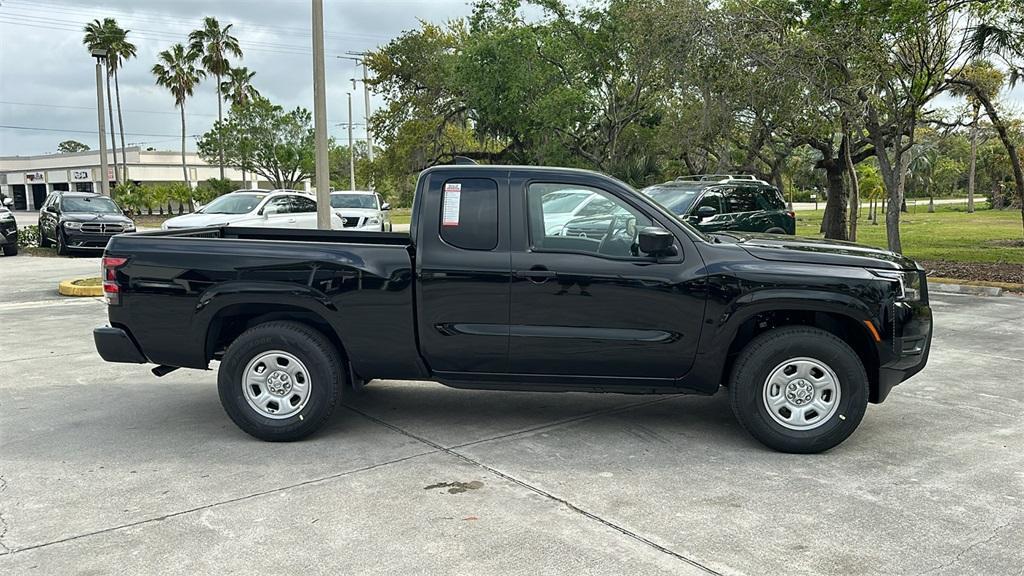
<point>487,291</point>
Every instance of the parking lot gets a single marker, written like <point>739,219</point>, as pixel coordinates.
<point>105,468</point>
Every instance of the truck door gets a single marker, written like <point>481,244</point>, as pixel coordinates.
<point>584,302</point>
<point>463,271</point>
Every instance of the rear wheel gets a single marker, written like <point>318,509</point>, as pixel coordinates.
<point>775,231</point>
<point>799,389</point>
<point>11,250</point>
<point>280,381</point>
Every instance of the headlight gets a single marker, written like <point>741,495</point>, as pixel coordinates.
<point>5,215</point>
<point>909,282</point>
<point>374,221</point>
<point>129,227</point>
<point>73,225</point>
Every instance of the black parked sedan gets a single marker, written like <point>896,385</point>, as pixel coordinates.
<point>80,220</point>
<point>8,231</point>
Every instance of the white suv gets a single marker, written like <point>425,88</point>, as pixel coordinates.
<point>257,209</point>
<point>361,210</point>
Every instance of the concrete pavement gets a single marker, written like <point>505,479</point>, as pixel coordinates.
<point>105,468</point>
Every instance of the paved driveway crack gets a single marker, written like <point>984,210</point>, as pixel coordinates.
<point>522,483</point>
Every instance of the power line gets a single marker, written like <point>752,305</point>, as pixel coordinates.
<point>165,21</point>
<point>93,108</point>
<point>68,131</point>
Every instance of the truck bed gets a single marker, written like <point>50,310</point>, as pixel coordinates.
<point>181,289</point>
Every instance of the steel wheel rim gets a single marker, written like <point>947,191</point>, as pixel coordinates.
<point>801,393</point>
<point>276,384</point>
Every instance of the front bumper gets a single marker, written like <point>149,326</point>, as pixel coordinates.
<point>906,348</point>
<point>115,345</point>
<point>87,240</point>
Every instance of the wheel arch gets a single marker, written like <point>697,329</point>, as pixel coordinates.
<point>849,323</point>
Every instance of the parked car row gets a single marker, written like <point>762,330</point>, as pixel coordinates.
<point>350,210</point>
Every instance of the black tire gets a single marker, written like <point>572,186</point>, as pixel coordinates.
<point>11,250</point>
<point>772,349</point>
<point>43,242</point>
<point>62,244</point>
<point>775,231</point>
<point>326,375</point>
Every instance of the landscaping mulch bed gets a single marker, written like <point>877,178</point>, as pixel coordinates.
<point>986,271</point>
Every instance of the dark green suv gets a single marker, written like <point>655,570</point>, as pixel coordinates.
<point>716,202</point>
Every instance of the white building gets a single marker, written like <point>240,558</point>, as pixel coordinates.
<point>29,179</point>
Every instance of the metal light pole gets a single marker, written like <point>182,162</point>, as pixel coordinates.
<point>100,54</point>
<point>323,177</point>
<point>351,150</point>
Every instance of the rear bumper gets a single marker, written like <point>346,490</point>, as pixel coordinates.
<point>115,345</point>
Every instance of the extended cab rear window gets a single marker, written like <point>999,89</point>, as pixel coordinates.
<point>469,213</point>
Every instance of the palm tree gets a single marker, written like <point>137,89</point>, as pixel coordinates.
<point>177,72</point>
<point>216,44</point>
<point>99,36</point>
<point>119,51</point>
<point>237,87</point>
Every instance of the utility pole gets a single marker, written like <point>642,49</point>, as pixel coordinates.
<point>100,54</point>
<point>360,58</point>
<point>323,178</point>
<point>351,150</point>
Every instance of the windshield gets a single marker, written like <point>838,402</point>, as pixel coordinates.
<point>354,201</point>
<point>676,199</point>
<point>233,204</point>
<point>563,202</point>
<point>93,204</point>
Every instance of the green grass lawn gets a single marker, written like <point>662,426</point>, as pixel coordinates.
<point>401,215</point>
<point>948,234</point>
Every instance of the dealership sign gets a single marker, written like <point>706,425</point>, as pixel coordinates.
<point>34,177</point>
<point>81,175</point>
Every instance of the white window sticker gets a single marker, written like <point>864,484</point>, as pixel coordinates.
<point>452,203</point>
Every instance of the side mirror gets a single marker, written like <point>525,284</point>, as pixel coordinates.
<point>8,202</point>
<point>270,211</point>
<point>706,212</point>
<point>385,206</point>
<point>656,242</point>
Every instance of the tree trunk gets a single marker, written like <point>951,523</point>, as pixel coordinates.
<point>184,166</point>
<point>974,159</point>
<point>113,134</point>
<point>120,125</point>
<point>834,223</point>
<point>220,118</point>
<point>854,189</point>
<point>1004,136</point>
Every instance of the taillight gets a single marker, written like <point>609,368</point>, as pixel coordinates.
<point>791,214</point>
<point>111,289</point>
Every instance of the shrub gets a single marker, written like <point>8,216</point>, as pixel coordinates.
<point>28,236</point>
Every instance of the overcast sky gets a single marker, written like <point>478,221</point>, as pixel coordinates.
<point>47,86</point>
<point>47,78</point>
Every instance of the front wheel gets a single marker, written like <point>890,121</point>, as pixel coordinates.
<point>62,244</point>
<point>280,381</point>
<point>11,250</point>
<point>799,389</point>
<point>43,242</point>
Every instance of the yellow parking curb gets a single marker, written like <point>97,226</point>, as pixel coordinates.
<point>74,287</point>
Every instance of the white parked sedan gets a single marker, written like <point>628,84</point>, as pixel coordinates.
<point>361,210</point>
<point>256,209</point>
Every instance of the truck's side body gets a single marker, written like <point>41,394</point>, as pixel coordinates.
<point>461,305</point>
